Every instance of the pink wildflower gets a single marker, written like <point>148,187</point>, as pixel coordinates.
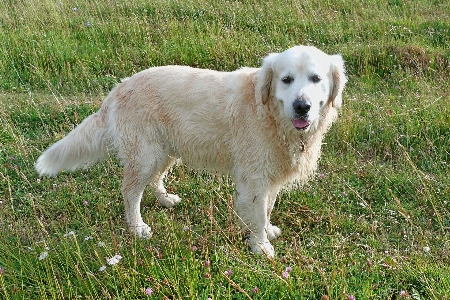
<point>404,294</point>
<point>148,291</point>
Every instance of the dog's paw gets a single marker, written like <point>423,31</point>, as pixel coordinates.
<point>262,248</point>
<point>142,231</point>
<point>273,232</point>
<point>169,200</point>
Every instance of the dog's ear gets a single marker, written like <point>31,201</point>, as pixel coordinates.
<point>264,80</point>
<point>338,80</point>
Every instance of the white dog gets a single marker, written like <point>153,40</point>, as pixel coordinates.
<point>263,126</point>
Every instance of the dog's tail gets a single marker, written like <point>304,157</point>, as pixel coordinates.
<point>83,146</point>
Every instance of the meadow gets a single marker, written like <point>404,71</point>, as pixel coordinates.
<point>374,223</point>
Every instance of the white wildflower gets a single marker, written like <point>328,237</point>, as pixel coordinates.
<point>43,255</point>
<point>102,268</point>
<point>114,260</point>
<point>310,244</point>
<point>69,233</point>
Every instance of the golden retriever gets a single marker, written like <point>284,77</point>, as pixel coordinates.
<point>263,126</point>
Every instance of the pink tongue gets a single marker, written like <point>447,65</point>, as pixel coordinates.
<point>300,123</point>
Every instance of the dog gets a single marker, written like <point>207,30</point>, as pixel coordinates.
<point>262,126</point>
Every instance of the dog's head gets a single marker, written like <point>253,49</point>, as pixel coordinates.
<point>302,81</point>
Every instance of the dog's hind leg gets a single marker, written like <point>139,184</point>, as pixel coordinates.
<point>135,178</point>
<point>149,165</point>
<point>164,198</point>
<point>142,160</point>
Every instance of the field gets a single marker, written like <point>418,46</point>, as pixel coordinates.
<point>373,224</point>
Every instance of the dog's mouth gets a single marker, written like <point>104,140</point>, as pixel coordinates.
<point>301,123</point>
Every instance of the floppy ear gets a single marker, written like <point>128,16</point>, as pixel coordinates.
<point>263,80</point>
<point>338,80</point>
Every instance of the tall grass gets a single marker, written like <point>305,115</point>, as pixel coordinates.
<point>374,223</point>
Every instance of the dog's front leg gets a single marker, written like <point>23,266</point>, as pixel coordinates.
<point>273,231</point>
<point>251,208</point>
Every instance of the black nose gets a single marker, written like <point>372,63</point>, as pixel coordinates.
<point>302,106</point>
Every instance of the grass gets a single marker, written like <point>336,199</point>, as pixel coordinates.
<point>373,223</point>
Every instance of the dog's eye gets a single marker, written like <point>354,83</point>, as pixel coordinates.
<point>315,78</point>
<point>287,79</point>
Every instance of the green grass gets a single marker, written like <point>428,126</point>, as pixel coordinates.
<point>381,196</point>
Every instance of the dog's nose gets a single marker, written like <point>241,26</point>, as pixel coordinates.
<point>302,106</point>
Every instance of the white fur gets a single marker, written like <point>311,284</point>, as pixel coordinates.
<point>237,123</point>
